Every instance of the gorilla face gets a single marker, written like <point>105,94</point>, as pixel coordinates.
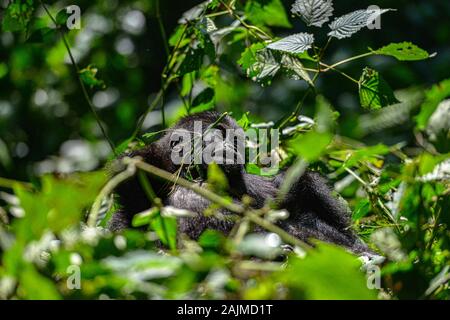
<point>193,144</point>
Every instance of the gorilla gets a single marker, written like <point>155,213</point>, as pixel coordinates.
<point>314,213</point>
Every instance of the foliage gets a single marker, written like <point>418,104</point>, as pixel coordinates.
<point>386,151</point>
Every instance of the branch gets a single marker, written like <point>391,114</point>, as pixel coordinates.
<point>252,215</point>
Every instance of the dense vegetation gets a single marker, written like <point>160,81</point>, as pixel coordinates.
<point>73,99</point>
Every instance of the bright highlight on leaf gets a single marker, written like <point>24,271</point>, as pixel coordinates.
<point>404,51</point>
<point>296,43</point>
<point>374,91</point>
<point>313,12</point>
<point>349,24</point>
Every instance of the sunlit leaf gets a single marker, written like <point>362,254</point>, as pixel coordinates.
<point>310,278</point>
<point>313,12</point>
<point>374,91</point>
<point>349,24</point>
<point>296,43</point>
<point>404,51</point>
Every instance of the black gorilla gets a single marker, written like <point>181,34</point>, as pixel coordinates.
<point>314,212</point>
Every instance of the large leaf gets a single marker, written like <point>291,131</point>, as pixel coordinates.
<point>313,12</point>
<point>296,43</point>
<point>267,12</point>
<point>328,272</point>
<point>374,91</point>
<point>349,24</point>
<point>404,51</point>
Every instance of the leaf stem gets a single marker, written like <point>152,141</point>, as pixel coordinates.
<point>349,60</point>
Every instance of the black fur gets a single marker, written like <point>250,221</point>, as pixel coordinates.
<point>314,212</point>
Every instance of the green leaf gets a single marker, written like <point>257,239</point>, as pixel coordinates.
<point>17,15</point>
<point>166,229</point>
<point>192,61</point>
<point>328,273</point>
<point>211,239</point>
<point>206,43</point>
<point>144,218</point>
<point>62,17</point>
<point>404,51</point>
<point>248,57</point>
<point>361,210</point>
<point>59,205</point>
<point>267,12</point>
<point>374,91</point>
<point>203,101</point>
<point>35,286</point>
<point>311,145</point>
<point>89,76</point>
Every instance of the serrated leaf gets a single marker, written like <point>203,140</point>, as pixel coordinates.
<point>295,69</point>
<point>349,24</point>
<point>265,67</point>
<point>296,43</point>
<point>374,91</point>
<point>404,51</point>
<point>313,12</point>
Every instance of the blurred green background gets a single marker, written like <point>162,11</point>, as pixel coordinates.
<point>46,125</point>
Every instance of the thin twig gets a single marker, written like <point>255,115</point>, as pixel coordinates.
<point>107,190</point>
<point>77,71</point>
